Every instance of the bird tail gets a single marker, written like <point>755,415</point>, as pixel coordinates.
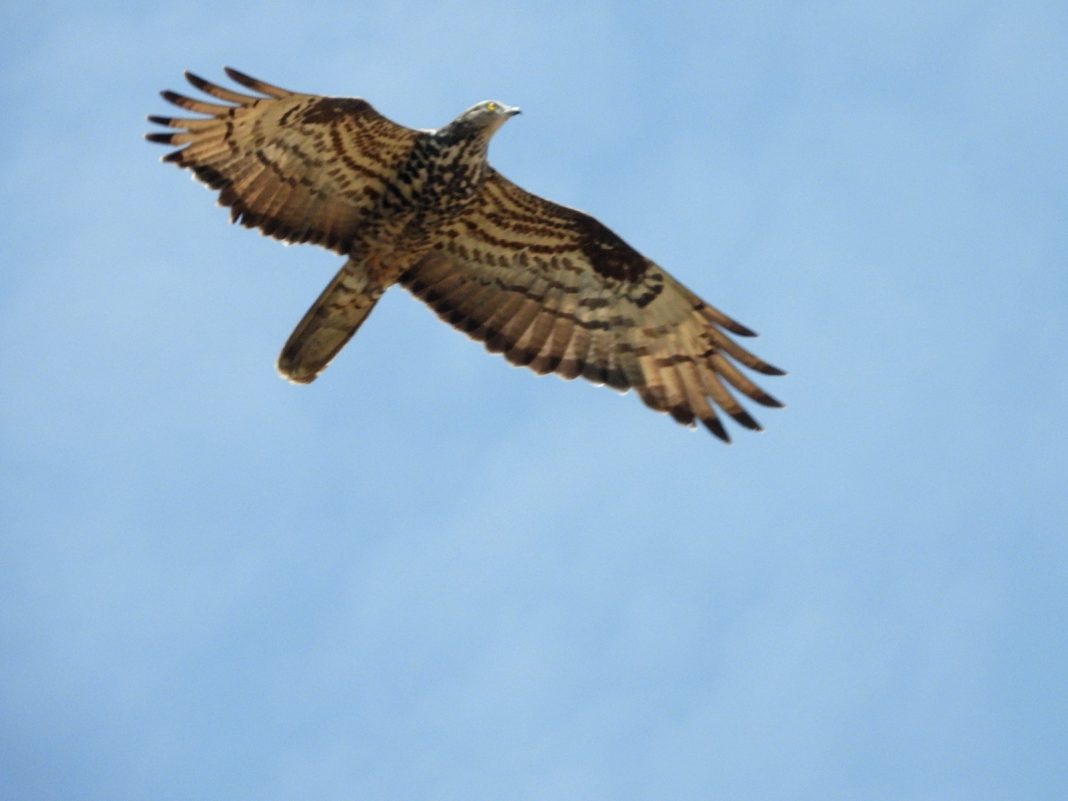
<point>330,322</point>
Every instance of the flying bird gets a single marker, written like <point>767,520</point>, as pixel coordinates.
<point>548,286</point>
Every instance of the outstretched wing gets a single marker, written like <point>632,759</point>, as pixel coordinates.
<point>555,290</point>
<point>299,167</point>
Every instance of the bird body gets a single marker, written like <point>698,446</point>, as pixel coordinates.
<point>548,286</point>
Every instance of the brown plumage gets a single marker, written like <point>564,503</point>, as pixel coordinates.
<point>548,286</point>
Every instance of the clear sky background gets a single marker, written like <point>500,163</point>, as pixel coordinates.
<point>434,576</point>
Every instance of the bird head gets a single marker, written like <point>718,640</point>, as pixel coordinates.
<point>487,116</point>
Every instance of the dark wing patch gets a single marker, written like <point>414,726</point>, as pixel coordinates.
<point>555,290</point>
<point>302,168</point>
<point>607,254</point>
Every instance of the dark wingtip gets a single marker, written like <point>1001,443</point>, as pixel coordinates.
<point>160,138</point>
<point>744,418</point>
<point>242,78</point>
<point>764,399</point>
<point>175,98</point>
<point>714,425</point>
<point>770,369</point>
<point>737,328</point>
<point>681,414</point>
<point>195,79</point>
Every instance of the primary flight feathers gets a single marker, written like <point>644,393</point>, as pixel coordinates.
<point>548,286</point>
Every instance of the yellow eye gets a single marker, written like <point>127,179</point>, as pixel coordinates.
<point>491,107</point>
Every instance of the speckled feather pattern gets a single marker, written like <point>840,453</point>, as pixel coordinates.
<point>549,287</point>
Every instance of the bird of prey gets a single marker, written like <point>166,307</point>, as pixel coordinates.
<point>548,286</point>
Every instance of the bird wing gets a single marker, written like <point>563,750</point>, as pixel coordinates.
<point>555,290</point>
<point>300,167</point>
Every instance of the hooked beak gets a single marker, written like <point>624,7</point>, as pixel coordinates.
<point>511,111</point>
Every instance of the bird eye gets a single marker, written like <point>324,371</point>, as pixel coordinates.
<point>491,107</point>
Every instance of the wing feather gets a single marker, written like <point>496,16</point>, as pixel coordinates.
<point>573,357</point>
<point>555,290</point>
<point>555,347</point>
<point>209,88</point>
<point>255,85</point>
<point>300,167</point>
<point>507,323</point>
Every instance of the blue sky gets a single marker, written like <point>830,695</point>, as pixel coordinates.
<point>431,575</point>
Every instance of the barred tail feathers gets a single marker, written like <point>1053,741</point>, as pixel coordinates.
<point>330,322</point>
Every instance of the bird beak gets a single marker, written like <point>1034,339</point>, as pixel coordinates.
<point>513,110</point>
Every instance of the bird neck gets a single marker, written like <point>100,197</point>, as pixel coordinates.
<point>442,173</point>
<point>461,141</point>
<point>460,154</point>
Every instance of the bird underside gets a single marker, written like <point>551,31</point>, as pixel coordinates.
<point>547,286</point>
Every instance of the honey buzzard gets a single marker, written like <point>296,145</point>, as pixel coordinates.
<point>548,286</point>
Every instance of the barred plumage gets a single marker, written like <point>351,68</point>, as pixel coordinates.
<point>549,287</point>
